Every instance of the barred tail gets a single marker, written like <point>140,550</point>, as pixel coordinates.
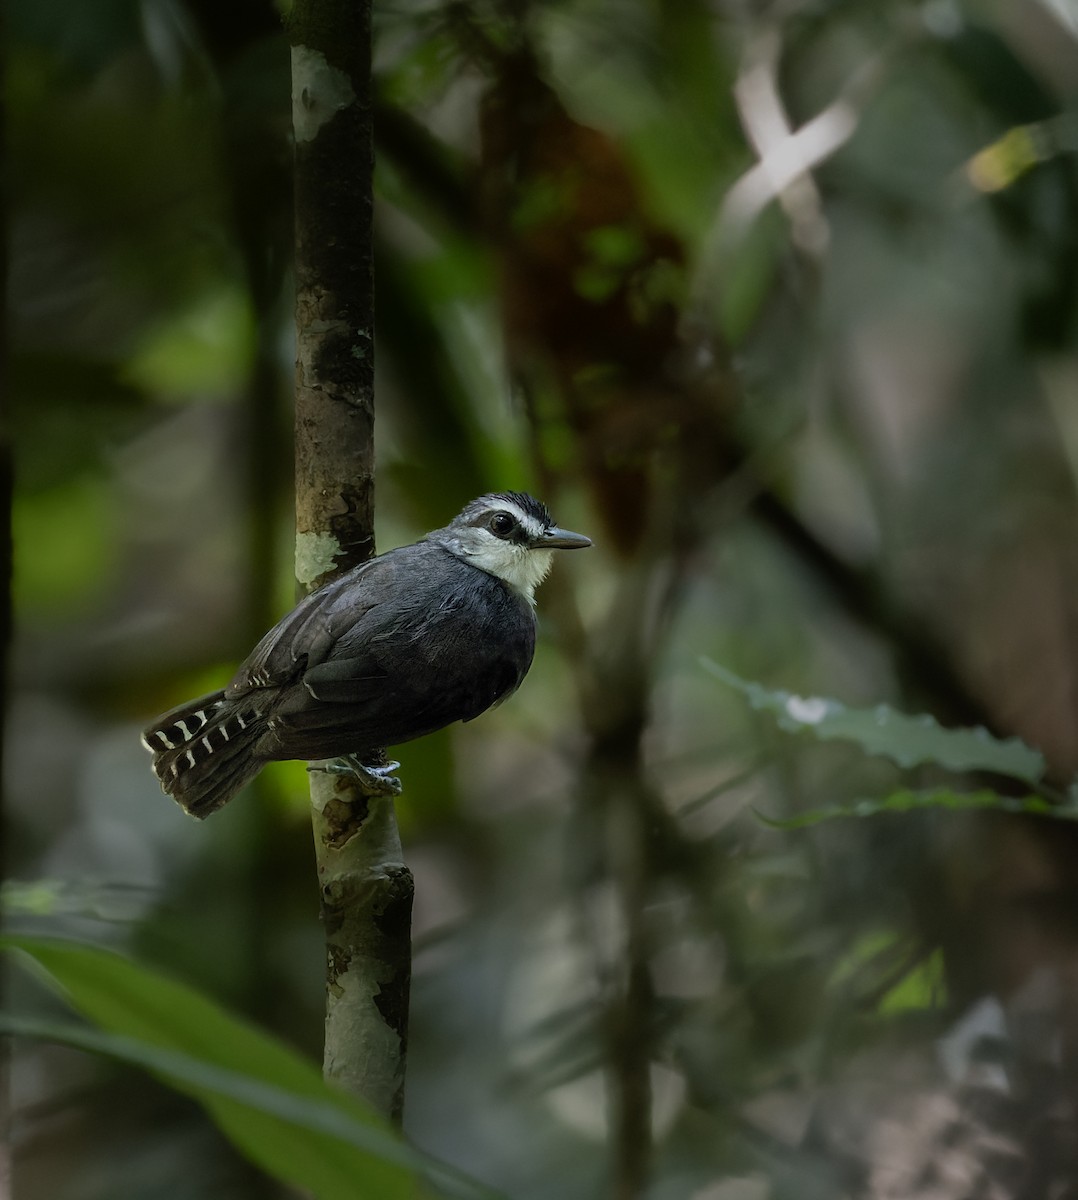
<point>203,751</point>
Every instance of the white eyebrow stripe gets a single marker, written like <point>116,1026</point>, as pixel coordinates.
<point>535,528</point>
<point>531,524</point>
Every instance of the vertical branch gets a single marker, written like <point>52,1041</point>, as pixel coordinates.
<point>331,120</point>
<point>629,1025</point>
<point>366,890</point>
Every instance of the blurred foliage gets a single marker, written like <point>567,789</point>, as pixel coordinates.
<point>274,1105</point>
<point>778,303</point>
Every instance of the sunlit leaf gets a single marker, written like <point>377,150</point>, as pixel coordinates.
<point>920,988</point>
<point>905,740</point>
<point>1004,161</point>
<point>890,974</point>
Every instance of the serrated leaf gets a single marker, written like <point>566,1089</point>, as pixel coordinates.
<point>909,741</point>
<point>907,800</point>
<point>269,1100</point>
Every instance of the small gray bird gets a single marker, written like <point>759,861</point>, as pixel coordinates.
<point>411,641</point>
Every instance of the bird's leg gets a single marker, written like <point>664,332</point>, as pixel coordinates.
<point>375,779</point>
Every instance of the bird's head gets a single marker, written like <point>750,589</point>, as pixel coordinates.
<point>510,535</point>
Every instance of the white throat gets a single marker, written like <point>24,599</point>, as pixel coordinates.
<point>525,571</point>
<point>522,569</point>
<point>513,562</point>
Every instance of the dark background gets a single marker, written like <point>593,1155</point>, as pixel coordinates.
<point>823,429</point>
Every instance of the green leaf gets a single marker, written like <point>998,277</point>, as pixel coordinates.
<point>922,988</point>
<point>906,800</point>
<point>199,1077</point>
<point>270,1101</point>
<point>907,741</point>
<point>65,548</point>
<point>889,974</point>
<point>205,350</point>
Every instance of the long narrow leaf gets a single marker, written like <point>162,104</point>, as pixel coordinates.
<point>907,741</point>
<point>906,800</point>
<point>270,1101</point>
<point>197,1077</point>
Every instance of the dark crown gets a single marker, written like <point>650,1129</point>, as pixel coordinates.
<point>494,500</point>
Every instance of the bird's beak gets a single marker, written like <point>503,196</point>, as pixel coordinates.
<point>562,539</point>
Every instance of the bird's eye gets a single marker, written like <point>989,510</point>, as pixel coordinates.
<point>502,524</point>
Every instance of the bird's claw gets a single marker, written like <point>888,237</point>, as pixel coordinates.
<point>375,779</point>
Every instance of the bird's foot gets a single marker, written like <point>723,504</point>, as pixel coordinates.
<point>374,779</point>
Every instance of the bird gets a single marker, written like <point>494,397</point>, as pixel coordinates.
<point>404,644</point>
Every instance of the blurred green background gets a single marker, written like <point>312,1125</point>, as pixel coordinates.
<point>814,397</point>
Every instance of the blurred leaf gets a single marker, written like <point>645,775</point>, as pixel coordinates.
<point>272,1103</point>
<point>922,987</point>
<point>65,547</point>
<point>200,1078</point>
<point>907,800</point>
<point>57,897</point>
<point>615,245</point>
<point>451,425</point>
<point>38,897</point>
<point>905,740</point>
<point>206,348</point>
<point>890,974</point>
<point>743,273</point>
<point>1009,157</point>
<point>676,122</point>
<point>426,59</point>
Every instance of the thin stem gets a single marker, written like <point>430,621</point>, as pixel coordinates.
<point>365,887</point>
